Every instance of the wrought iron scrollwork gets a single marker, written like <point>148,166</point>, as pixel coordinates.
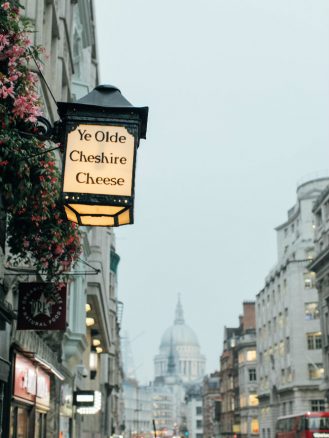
<point>43,130</point>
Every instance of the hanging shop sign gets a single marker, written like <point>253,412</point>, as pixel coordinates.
<point>100,135</point>
<point>84,398</point>
<point>41,306</point>
<point>87,402</point>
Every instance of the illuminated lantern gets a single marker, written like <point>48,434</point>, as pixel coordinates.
<point>100,134</point>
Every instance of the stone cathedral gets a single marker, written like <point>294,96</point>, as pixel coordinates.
<point>178,366</point>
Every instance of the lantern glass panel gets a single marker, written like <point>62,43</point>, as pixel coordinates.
<point>99,159</point>
<point>97,221</point>
<point>71,215</point>
<point>96,209</point>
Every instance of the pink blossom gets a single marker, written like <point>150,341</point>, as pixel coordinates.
<point>4,40</point>
<point>5,6</point>
<point>7,91</point>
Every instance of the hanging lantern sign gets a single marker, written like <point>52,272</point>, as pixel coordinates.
<point>101,134</point>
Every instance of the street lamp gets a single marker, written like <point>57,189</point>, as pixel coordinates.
<point>100,133</point>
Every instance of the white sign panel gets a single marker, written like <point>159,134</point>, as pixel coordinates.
<point>99,160</point>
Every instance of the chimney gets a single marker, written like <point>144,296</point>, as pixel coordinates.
<point>249,317</point>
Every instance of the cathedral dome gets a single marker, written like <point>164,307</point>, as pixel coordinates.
<point>179,335</point>
<point>179,355</point>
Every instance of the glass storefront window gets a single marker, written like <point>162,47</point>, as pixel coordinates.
<point>40,425</point>
<point>19,422</point>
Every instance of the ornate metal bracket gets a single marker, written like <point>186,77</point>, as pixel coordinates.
<point>44,130</point>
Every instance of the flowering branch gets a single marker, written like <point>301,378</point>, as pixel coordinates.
<point>29,182</point>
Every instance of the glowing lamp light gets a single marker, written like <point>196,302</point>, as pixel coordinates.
<point>93,361</point>
<point>90,322</point>
<point>88,307</point>
<point>99,349</point>
<point>96,342</point>
<point>100,134</point>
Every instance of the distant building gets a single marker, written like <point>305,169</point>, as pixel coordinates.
<point>178,365</point>
<point>179,353</point>
<point>290,364</point>
<point>238,378</point>
<point>194,411</point>
<point>211,405</point>
<point>137,409</point>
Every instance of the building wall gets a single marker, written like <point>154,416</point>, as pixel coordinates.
<point>211,405</point>
<point>66,29</point>
<point>320,267</point>
<point>287,315</point>
<point>194,416</point>
<point>238,378</point>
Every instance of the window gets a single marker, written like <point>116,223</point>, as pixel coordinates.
<point>318,217</point>
<point>251,355</point>
<point>199,410</point>
<point>254,426</point>
<point>284,412</point>
<point>253,400</point>
<point>283,375</point>
<point>318,405</point>
<point>309,280</point>
<point>199,424</point>
<point>281,348</point>
<point>315,371</point>
<point>243,401</point>
<point>291,407</point>
<point>252,375</point>
<point>326,209</point>
<point>287,344</point>
<point>314,340</point>
<point>244,426</point>
<point>312,311</point>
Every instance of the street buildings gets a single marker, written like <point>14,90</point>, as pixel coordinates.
<point>137,409</point>
<point>290,365</point>
<point>45,375</point>
<point>211,405</point>
<point>238,378</point>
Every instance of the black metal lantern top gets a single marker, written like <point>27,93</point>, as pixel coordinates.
<point>105,99</point>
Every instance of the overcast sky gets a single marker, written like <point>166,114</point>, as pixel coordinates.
<point>238,92</point>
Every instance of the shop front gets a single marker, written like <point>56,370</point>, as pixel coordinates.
<point>31,399</point>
